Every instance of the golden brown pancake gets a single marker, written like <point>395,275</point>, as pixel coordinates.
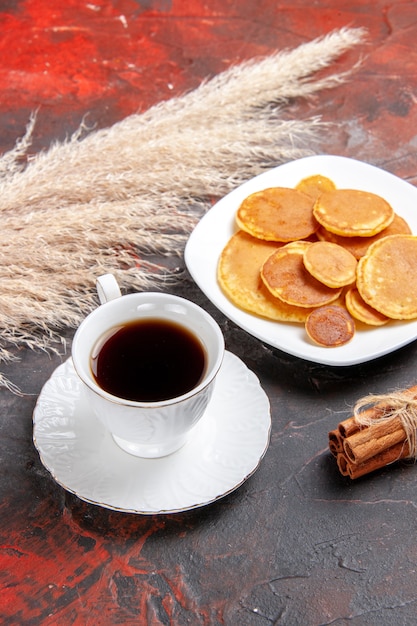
<point>330,264</point>
<point>359,245</point>
<point>315,185</point>
<point>239,277</point>
<point>361,311</point>
<point>387,276</point>
<point>351,212</point>
<point>277,214</point>
<point>286,277</point>
<point>330,326</point>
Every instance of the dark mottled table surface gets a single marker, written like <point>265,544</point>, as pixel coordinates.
<point>296,544</point>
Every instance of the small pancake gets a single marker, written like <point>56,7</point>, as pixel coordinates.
<point>359,245</point>
<point>361,311</point>
<point>238,275</point>
<point>330,264</point>
<point>277,214</point>
<point>286,277</point>
<point>315,185</point>
<point>351,212</point>
<point>387,276</point>
<point>330,326</point>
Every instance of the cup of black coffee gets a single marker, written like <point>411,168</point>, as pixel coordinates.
<point>148,362</point>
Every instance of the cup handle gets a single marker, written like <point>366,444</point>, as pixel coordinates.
<point>107,288</point>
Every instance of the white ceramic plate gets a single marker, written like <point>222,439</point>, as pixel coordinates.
<point>225,447</point>
<point>217,226</point>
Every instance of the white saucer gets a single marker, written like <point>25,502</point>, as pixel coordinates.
<point>224,449</point>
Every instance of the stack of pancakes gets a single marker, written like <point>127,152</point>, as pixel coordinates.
<point>325,257</point>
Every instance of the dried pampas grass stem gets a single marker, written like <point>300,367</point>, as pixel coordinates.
<point>103,200</point>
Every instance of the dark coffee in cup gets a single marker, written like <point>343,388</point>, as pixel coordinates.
<point>148,360</point>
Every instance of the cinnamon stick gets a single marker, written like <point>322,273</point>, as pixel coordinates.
<point>342,464</point>
<point>373,439</point>
<point>350,426</point>
<point>335,442</point>
<point>386,457</point>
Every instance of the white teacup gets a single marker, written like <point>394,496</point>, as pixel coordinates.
<point>157,428</point>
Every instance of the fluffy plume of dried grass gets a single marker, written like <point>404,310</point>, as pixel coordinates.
<point>103,200</point>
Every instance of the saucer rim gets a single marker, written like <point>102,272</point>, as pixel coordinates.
<point>233,360</point>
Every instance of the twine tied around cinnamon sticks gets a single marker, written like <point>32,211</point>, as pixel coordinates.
<point>382,430</point>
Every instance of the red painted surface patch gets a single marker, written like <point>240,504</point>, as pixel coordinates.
<point>107,60</point>
<point>115,58</point>
<point>74,52</point>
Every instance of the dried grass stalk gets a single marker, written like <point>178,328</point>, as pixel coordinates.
<point>102,200</point>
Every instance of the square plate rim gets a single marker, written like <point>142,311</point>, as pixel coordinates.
<point>218,224</point>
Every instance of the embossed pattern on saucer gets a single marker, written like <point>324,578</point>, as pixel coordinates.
<point>224,449</point>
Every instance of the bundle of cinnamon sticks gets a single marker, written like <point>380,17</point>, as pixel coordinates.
<point>377,436</point>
